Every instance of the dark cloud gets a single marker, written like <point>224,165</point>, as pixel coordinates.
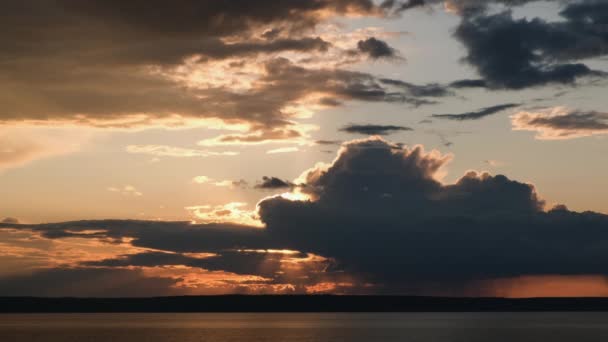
<point>285,83</point>
<point>241,183</point>
<point>470,7</point>
<point>327,101</point>
<point>376,48</point>
<point>408,4</point>
<point>423,90</point>
<point>468,84</point>
<point>369,129</point>
<point>9,220</point>
<point>379,212</point>
<point>99,63</point>
<point>273,183</point>
<point>463,7</point>
<point>260,263</point>
<point>88,282</point>
<point>328,142</point>
<point>182,237</point>
<point>574,120</point>
<point>518,53</point>
<point>477,114</point>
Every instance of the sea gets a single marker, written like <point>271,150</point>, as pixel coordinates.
<point>309,327</point>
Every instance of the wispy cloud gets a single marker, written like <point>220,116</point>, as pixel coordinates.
<point>127,190</point>
<point>478,114</point>
<point>177,152</point>
<point>561,123</point>
<point>283,150</point>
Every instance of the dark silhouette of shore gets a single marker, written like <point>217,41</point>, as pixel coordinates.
<point>295,303</point>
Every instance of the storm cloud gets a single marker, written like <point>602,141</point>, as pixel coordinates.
<point>379,212</point>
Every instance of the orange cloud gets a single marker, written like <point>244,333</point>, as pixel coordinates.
<point>231,212</point>
<point>546,286</point>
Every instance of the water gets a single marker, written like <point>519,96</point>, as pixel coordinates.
<point>215,327</point>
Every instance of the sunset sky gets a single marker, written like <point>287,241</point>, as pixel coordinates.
<point>423,147</point>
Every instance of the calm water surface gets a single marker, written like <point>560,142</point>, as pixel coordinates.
<point>213,327</point>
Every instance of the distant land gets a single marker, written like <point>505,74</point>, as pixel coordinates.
<point>296,303</point>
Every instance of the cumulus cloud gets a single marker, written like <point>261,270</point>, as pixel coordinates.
<point>479,114</point>
<point>380,215</point>
<point>561,123</point>
<point>380,211</point>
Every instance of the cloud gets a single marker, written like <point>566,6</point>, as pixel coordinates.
<point>201,179</point>
<point>10,220</point>
<point>328,142</point>
<point>127,190</point>
<point>232,212</point>
<point>123,68</point>
<point>292,134</point>
<point>231,183</point>
<point>461,7</point>
<point>176,152</point>
<point>184,237</point>
<point>283,150</point>
<point>468,7</point>
<point>519,53</point>
<point>380,211</point>
<point>237,262</point>
<point>273,183</point>
<point>87,282</point>
<point>379,215</point>
<point>414,90</point>
<point>220,183</point>
<point>494,163</point>
<point>561,123</point>
<point>468,83</point>
<point>376,48</point>
<point>24,144</point>
<point>369,129</point>
<point>476,115</point>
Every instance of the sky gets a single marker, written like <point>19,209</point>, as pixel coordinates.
<point>419,147</point>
